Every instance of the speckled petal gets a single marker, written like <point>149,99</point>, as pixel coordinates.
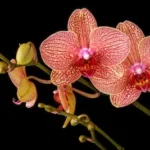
<point>110,45</point>
<point>65,77</point>
<point>135,34</point>
<point>109,80</point>
<point>58,51</point>
<point>144,50</point>
<point>82,22</point>
<point>126,97</point>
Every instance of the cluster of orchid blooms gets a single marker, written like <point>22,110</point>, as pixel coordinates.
<point>116,60</point>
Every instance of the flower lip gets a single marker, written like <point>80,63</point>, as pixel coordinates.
<point>140,77</point>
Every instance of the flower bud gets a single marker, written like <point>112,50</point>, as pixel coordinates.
<point>74,121</point>
<point>26,91</point>
<point>82,138</point>
<point>3,67</point>
<point>26,53</point>
<point>90,126</point>
<point>41,105</point>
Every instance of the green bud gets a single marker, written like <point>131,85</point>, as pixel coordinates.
<point>41,105</point>
<point>26,53</point>
<point>3,67</point>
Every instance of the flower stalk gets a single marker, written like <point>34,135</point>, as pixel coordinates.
<point>85,121</point>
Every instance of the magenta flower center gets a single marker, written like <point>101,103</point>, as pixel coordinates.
<point>86,62</point>
<point>140,77</point>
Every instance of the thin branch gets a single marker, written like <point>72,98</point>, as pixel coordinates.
<point>98,144</point>
<point>82,119</point>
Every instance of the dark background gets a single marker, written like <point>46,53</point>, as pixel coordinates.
<point>21,22</point>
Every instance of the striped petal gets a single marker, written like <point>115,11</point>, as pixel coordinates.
<point>144,50</point>
<point>58,51</point>
<point>65,77</point>
<point>109,80</point>
<point>111,45</point>
<point>17,74</point>
<point>126,97</point>
<point>82,22</point>
<point>135,34</point>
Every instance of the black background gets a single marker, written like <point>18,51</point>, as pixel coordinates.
<point>21,22</point>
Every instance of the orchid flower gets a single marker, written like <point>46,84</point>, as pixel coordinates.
<point>26,90</point>
<point>66,98</point>
<point>85,49</point>
<point>136,77</point>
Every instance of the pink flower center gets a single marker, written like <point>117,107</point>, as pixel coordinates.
<point>86,62</point>
<point>140,77</point>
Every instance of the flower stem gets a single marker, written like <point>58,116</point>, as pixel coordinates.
<point>98,144</point>
<point>99,130</point>
<point>42,67</point>
<point>81,121</point>
<point>142,108</point>
<point>88,95</point>
<point>2,57</point>
<point>40,80</point>
<point>88,84</point>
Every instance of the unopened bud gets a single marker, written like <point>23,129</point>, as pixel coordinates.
<point>26,53</point>
<point>3,67</point>
<point>90,126</point>
<point>41,105</point>
<point>82,138</point>
<point>26,90</point>
<point>74,121</point>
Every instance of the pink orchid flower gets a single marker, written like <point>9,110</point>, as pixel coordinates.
<point>85,49</point>
<point>136,78</point>
<point>26,90</point>
<point>66,99</point>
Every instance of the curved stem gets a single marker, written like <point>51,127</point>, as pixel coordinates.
<point>40,80</point>
<point>98,144</point>
<point>88,95</point>
<point>49,108</point>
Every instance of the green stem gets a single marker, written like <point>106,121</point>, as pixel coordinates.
<point>88,84</point>
<point>42,67</point>
<point>99,130</point>
<point>49,108</point>
<point>142,108</point>
<point>98,144</point>
<point>2,57</point>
